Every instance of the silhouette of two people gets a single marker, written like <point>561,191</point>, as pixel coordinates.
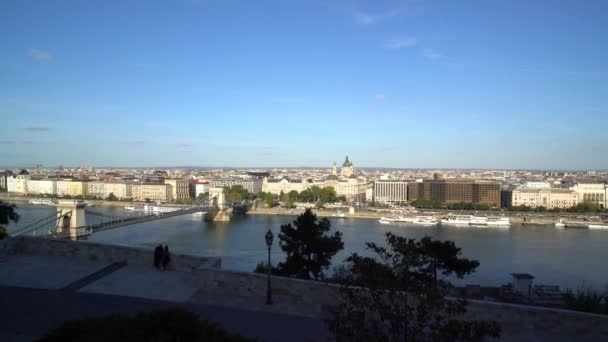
<point>161,257</point>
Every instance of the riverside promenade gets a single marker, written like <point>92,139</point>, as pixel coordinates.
<point>44,282</point>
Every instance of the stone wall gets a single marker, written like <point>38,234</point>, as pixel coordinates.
<point>245,284</point>
<point>519,322</point>
<point>110,253</point>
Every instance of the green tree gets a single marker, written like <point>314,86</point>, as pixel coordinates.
<point>8,213</point>
<point>236,193</point>
<point>293,195</point>
<point>112,197</point>
<point>396,296</point>
<point>309,250</point>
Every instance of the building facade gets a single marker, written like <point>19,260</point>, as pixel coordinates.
<point>71,188</point>
<point>119,189</point>
<point>17,184</point>
<point>97,189</point>
<point>180,189</point>
<point>591,192</point>
<point>390,191</point>
<point>154,192</point>
<point>253,185</point>
<point>548,197</point>
<point>284,184</point>
<point>456,191</point>
<point>42,186</point>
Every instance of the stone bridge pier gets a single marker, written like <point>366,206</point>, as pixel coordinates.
<point>71,218</point>
<point>217,198</point>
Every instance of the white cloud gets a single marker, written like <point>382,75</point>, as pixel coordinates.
<point>39,54</point>
<point>400,43</point>
<point>370,19</point>
<point>380,97</point>
<point>431,54</point>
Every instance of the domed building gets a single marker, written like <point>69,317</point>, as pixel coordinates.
<point>347,168</point>
<point>347,184</point>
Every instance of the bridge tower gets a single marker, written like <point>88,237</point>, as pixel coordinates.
<point>71,217</point>
<point>217,197</point>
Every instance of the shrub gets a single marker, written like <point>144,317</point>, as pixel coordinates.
<point>162,325</point>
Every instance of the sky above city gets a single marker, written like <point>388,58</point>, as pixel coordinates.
<point>403,84</point>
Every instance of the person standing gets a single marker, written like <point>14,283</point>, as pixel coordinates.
<point>158,253</point>
<point>166,257</point>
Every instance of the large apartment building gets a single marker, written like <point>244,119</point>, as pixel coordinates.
<point>545,197</point>
<point>180,189</point>
<point>390,191</point>
<point>154,192</point>
<point>456,191</point>
<point>252,184</point>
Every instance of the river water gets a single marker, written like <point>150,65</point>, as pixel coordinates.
<point>569,258</point>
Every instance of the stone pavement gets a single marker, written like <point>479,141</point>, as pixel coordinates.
<point>39,292</point>
<point>45,272</point>
<point>28,313</point>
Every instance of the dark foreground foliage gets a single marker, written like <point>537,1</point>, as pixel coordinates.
<point>163,325</point>
<point>587,300</point>
<point>397,295</point>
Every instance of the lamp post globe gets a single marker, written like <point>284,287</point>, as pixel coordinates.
<point>269,236</point>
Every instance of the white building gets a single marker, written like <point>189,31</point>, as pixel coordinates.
<point>548,198</point>
<point>199,188</point>
<point>284,184</point>
<point>591,192</point>
<point>42,186</point>
<point>119,189</point>
<point>97,189</point>
<point>390,191</point>
<point>17,184</point>
<point>63,187</point>
<point>253,185</point>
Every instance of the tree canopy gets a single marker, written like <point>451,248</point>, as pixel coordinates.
<point>397,296</point>
<point>308,247</point>
<point>8,212</point>
<point>236,193</point>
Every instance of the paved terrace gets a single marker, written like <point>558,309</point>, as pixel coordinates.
<point>44,282</point>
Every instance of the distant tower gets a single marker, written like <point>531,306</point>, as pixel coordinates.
<point>347,168</point>
<point>334,170</point>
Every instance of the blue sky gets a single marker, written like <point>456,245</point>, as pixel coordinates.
<point>413,84</point>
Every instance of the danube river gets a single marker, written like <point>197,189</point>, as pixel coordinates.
<point>569,258</point>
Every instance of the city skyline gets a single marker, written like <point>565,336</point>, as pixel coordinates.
<point>404,85</point>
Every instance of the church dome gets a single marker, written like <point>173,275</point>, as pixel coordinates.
<point>347,163</point>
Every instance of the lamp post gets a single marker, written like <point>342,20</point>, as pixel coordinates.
<point>269,238</point>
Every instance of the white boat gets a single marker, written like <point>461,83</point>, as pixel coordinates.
<point>462,220</point>
<point>41,201</point>
<point>599,226</point>
<point>499,221</point>
<point>478,221</point>
<point>422,220</point>
<point>338,214</point>
<point>152,208</point>
<point>560,224</point>
<point>425,220</point>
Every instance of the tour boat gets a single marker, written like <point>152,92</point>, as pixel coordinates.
<point>152,208</point>
<point>338,214</point>
<point>425,220</point>
<point>499,221</point>
<point>560,224</point>
<point>422,220</point>
<point>463,220</point>
<point>599,226</point>
<point>41,201</point>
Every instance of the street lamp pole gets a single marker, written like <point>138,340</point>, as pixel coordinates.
<point>269,236</point>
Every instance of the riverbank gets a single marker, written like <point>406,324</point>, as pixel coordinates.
<point>515,217</point>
